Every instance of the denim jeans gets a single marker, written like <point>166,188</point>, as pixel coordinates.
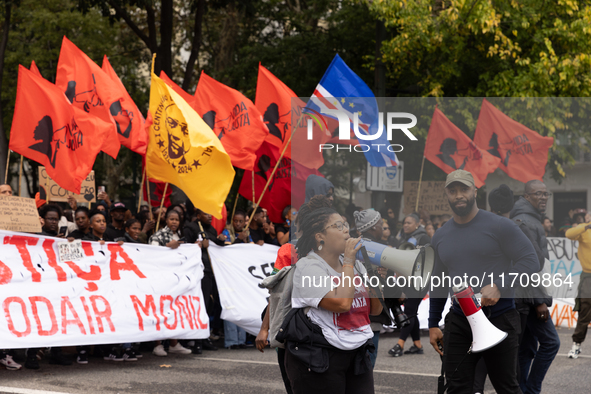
<point>534,360</point>
<point>233,335</point>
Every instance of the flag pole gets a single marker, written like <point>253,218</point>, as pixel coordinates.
<point>419,189</point>
<point>20,178</point>
<point>148,176</point>
<point>253,193</point>
<point>161,205</point>
<point>234,209</point>
<point>271,176</point>
<point>139,204</point>
<point>7,163</point>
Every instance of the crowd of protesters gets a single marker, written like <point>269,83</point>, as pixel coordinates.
<point>325,240</point>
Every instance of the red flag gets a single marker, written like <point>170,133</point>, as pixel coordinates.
<point>281,106</point>
<point>48,129</point>
<point>450,149</point>
<point>89,88</point>
<point>289,177</point>
<point>127,116</point>
<point>186,96</point>
<point>233,118</point>
<point>220,224</point>
<point>523,152</point>
<point>34,69</point>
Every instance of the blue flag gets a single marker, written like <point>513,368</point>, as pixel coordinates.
<point>340,89</point>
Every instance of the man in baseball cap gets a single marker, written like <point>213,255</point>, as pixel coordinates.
<point>116,229</point>
<point>471,244</point>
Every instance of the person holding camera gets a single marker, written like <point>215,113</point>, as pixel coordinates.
<point>333,316</point>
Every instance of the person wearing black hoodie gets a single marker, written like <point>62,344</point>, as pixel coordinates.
<point>202,226</point>
<point>533,302</point>
<point>317,185</point>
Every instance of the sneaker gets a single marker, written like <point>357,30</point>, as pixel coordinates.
<point>396,351</point>
<point>129,355</point>
<point>575,351</point>
<point>32,363</point>
<point>138,354</point>
<point>179,349</point>
<point>207,345</point>
<point>159,351</point>
<point>82,357</point>
<point>9,363</point>
<point>113,356</point>
<point>214,337</point>
<point>415,350</point>
<point>197,349</point>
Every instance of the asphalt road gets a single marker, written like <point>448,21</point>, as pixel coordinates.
<point>249,371</point>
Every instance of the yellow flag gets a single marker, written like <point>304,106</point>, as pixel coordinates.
<point>184,151</point>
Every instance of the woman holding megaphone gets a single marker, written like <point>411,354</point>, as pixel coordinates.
<point>327,334</point>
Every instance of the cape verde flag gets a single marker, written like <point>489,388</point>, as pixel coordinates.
<point>341,89</point>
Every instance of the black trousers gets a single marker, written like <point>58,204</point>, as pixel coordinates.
<point>501,360</point>
<point>411,308</point>
<point>281,360</point>
<point>337,379</point>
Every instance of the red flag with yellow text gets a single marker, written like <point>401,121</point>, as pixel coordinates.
<point>233,118</point>
<point>523,153</point>
<point>89,88</point>
<point>450,149</point>
<point>47,128</point>
<point>128,118</point>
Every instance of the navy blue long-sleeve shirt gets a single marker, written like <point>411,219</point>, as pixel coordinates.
<point>487,244</point>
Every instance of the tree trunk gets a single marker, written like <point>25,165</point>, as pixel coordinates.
<point>195,46</point>
<point>3,44</point>
<point>166,35</point>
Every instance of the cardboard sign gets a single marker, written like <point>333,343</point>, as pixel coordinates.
<point>19,214</point>
<point>432,198</point>
<point>70,251</point>
<point>51,191</point>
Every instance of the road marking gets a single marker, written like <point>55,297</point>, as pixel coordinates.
<point>580,355</point>
<point>17,390</point>
<point>271,363</point>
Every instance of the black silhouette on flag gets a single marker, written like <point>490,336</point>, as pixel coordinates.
<point>123,119</point>
<point>46,145</point>
<point>449,148</point>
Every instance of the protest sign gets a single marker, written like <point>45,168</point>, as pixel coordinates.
<point>19,214</point>
<point>238,271</point>
<point>432,197</point>
<point>114,294</point>
<point>51,191</point>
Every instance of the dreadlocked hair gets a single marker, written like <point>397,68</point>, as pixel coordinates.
<point>316,202</point>
<point>311,223</point>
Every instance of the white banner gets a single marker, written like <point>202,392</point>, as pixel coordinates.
<point>112,294</point>
<point>238,271</point>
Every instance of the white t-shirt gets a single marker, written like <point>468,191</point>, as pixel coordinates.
<point>345,331</point>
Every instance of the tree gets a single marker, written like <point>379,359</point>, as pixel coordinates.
<point>503,48</point>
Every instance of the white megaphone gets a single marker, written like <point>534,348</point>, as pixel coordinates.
<point>484,334</point>
<point>416,264</point>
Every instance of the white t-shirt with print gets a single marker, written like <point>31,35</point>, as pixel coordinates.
<point>311,282</point>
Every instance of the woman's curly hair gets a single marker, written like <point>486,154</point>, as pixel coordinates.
<point>312,218</point>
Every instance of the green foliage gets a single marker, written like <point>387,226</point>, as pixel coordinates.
<point>504,48</point>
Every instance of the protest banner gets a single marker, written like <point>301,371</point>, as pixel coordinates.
<point>19,214</point>
<point>113,294</point>
<point>51,191</point>
<point>238,271</point>
<point>432,197</point>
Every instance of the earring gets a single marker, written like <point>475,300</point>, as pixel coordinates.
<point>321,243</point>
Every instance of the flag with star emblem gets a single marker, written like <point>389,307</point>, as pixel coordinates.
<point>184,151</point>
<point>341,89</point>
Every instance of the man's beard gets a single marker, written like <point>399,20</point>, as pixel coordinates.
<point>465,210</point>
